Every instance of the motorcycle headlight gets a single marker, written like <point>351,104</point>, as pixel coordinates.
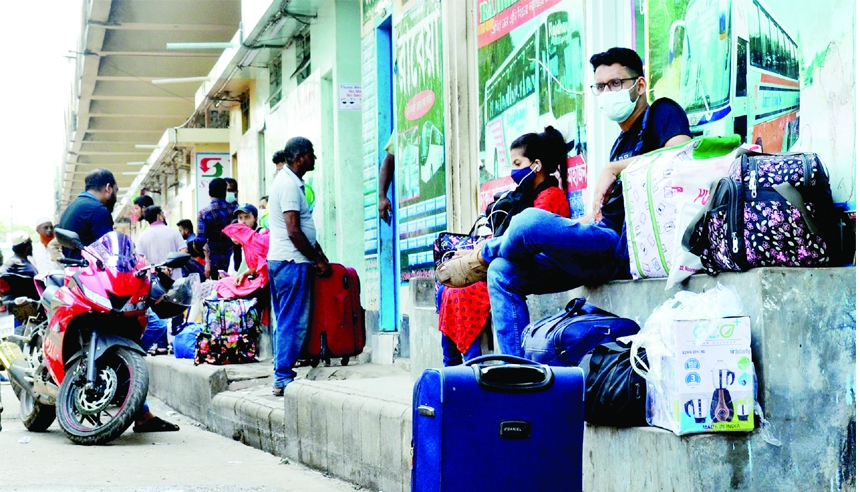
<point>95,297</point>
<point>134,306</point>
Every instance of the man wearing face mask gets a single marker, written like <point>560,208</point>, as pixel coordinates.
<point>541,252</point>
<point>619,84</point>
<point>211,222</point>
<point>89,215</point>
<point>232,190</point>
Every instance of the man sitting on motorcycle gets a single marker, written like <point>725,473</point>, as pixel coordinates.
<point>89,215</point>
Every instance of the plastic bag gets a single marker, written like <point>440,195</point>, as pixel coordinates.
<point>655,336</point>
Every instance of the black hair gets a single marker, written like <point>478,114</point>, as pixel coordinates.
<point>279,157</point>
<point>297,147</point>
<point>98,179</point>
<point>548,146</point>
<point>151,213</point>
<point>186,224</point>
<point>231,181</point>
<point>625,57</point>
<point>266,197</point>
<point>144,201</point>
<point>218,188</point>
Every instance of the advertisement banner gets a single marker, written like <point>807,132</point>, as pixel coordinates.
<point>531,64</point>
<point>776,73</point>
<point>420,124</point>
<point>210,165</point>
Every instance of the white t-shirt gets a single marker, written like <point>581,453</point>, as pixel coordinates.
<point>42,258</point>
<point>158,241</point>
<point>288,195</point>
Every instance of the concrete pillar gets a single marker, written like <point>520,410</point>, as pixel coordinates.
<point>460,52</point>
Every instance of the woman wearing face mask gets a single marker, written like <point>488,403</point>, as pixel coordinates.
<point>535,158</point>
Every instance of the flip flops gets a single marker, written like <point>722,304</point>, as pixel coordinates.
<point>463,270</point>
<point>155,424</point>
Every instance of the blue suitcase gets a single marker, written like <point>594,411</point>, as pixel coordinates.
<point>503,427</point>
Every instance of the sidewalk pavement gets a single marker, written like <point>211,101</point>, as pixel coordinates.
<point>352,421</point>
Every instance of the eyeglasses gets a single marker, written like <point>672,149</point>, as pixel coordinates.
<point>613,85</point>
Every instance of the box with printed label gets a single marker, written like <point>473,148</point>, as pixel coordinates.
<point>707,381</point>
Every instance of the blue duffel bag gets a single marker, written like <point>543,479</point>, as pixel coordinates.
<point>185,342</point>
<point>564,338</point>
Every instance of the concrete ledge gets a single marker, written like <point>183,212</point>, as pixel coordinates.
<point>358,429</point>
<point>184,386</point>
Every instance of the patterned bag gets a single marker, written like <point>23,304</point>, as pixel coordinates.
<point>447,243</point>
<point>772,210</point>
<point>229,334</point>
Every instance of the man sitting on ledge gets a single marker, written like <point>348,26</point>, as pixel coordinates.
<point>541,252</point>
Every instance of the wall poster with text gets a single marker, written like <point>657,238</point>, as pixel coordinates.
<point>420,123</point>
<point>531,62</point>
<point>778,73</point>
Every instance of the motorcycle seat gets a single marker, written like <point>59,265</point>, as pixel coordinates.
<point>55,278</point>
<point>48,295</point>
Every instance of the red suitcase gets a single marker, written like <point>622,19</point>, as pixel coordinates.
<point>336,327</point>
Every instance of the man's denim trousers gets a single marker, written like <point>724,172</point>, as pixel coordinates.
<point>291,304</point>
<point>541,253</point>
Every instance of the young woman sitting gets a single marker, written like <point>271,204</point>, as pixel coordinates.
<point>463,312</point>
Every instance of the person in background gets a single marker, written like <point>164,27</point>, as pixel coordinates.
<point>41,255</point>
<point>19,263</point>
<point>293,250</point>
<point>211,222</point>
<point>186,230</point>
<point>232,190</point>
<point>542,253</point>
<point>155,244</point>
<point>278,160</point>
<point>386,176</point>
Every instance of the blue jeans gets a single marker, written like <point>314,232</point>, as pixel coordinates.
<point>451,355</point>
<point>541,253</point>
<point>155,333</point>
<point>291,305</point>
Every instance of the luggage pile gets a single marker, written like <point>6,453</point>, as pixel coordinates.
<point>228,333</point>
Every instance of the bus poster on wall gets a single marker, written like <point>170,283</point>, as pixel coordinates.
<point>420,142</point>
<point>530,75</point>
<point>732,65</point>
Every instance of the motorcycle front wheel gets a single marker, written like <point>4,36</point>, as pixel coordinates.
<point>101,414</point>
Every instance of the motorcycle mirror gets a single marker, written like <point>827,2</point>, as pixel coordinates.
<point>176,260</point>
<point>68,239</point>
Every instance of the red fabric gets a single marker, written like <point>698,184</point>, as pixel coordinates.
<point>255,247</point>
<point>463,312</point>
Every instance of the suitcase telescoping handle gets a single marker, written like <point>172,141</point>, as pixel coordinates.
<point>516,375</point>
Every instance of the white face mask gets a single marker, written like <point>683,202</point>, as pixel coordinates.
<point>617,105</point>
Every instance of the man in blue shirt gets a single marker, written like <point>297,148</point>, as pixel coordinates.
<point>211,222</point>
<point>89,215</point>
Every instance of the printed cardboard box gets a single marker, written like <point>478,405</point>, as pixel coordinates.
<point>708,380</point>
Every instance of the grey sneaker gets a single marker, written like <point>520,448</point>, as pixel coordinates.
<point>278,391</point>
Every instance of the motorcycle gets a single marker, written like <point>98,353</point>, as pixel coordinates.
<point>82,362</point>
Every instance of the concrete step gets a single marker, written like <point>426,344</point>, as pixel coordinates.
<point>803,331</point>
<point>354,422</point>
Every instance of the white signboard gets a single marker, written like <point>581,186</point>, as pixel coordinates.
<point>210,165</point>
<point>350,97</point>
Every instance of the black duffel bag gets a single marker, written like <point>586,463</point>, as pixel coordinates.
<point>615,395</point>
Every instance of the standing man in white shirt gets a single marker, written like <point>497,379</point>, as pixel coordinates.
<point>293,251</point>
<point>41,255</point>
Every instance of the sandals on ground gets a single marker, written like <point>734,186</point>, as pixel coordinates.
<point>463,270</point>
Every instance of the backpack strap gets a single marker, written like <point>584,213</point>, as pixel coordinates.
<point>795,199</point>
